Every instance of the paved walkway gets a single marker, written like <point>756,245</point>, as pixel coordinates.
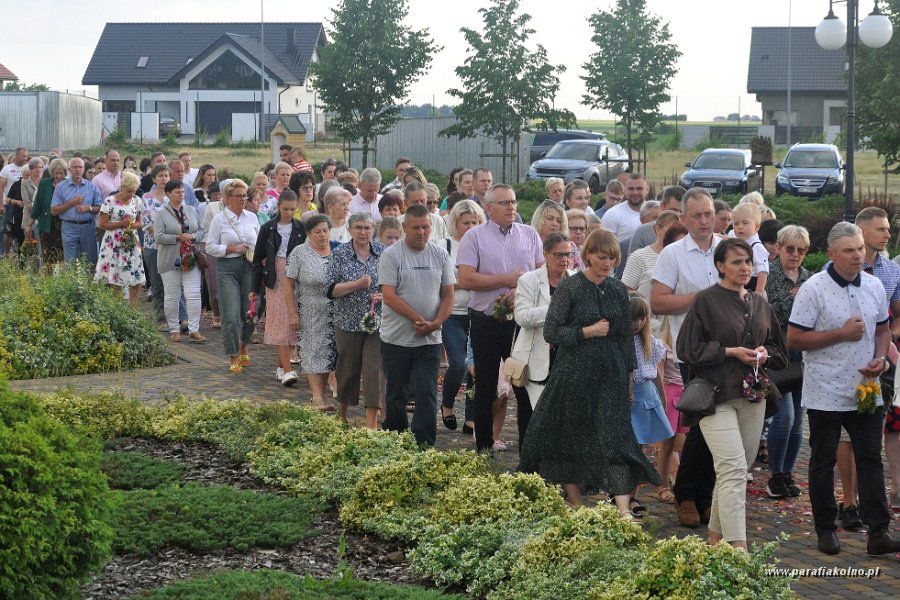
<point>202,370</point>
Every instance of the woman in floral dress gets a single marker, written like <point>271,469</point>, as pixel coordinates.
<point>120,263</point>
<point>309,309</point>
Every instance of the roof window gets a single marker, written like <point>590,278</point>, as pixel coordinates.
<point>142,62</point>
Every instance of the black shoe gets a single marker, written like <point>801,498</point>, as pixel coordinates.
<point>882,543</point>
<point>467,430</point>
<point>449,420</point>
<point>849,518</point>
<point>829,544</point>
<point>793,488</point>
<point>777,486</point>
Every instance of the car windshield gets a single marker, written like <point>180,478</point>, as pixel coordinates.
<point>812,159</point>
<point>587,152</point>
<point>721,162</point>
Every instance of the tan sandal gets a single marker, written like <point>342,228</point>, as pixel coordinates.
<point>664,494</point>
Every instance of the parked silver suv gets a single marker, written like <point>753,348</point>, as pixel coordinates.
<point>594,161</point>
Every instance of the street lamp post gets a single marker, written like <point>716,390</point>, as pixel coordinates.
<point>875,31</point>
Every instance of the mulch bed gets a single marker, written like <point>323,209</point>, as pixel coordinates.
<point>126,575</point>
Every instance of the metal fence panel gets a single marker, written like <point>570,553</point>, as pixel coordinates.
<point>42,121</point>
<point>418,139</point>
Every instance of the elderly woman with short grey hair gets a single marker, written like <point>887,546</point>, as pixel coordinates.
<point>337,208</point>
<point>555,188</point>
<point>352,282</point>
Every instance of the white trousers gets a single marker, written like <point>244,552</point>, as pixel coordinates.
<point>174,282</point>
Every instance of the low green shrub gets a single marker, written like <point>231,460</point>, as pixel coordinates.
<point>202,518</point>
<point>688,568</point>
<point>814,261</point>
<point>67,324</point>
<point>478,525</point>
<point>582,550</point>
<point>328,468</point>
<point>234,425</point>
<point>133,470</point>
<point>393,500</point>
<point>54,503</point>
<point>266,584</point>
<point>102,415</point>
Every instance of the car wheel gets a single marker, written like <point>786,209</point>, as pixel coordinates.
<point>594,184</point>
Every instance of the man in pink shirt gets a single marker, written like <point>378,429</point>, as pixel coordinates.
<point>108,180</point>
<point>366,199</point>
<point>491,258</point>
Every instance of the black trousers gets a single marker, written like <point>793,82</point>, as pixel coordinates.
<point>523,412</point>
<point>696,476</point>
<point>865,432</point>
<point>491,343</point>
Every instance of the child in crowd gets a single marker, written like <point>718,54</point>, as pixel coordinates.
<point>747,219</point>
<point>389,230</point>
<point>648,418</point>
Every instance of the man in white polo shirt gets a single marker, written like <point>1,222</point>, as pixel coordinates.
<point>840,322</point>
<point>684,268</point>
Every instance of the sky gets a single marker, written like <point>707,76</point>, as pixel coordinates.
<point>51,42</point>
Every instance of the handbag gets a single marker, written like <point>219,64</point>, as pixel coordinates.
<point>789,377</point>
<point>200,259</point>
<point>251,251</point>
<point>515,370</point>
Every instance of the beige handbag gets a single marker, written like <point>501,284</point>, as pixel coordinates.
<point>515,371</point>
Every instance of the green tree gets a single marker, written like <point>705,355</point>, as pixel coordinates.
<point>363,74</point>
<point>505,86</point>
<point>878,92</point>
<point>629,74</point>
<point>15,86</point>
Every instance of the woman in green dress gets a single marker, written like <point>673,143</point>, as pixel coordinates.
<point>580,434</point>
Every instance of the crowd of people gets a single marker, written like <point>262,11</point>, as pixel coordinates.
<point>595,319</point>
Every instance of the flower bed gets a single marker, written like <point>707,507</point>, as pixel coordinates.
<point>504,536</point>
<point>66,324</point>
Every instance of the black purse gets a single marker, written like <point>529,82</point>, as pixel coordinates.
<point>698,400</point>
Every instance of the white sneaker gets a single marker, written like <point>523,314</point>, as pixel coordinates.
<point>290,378</point>
<point>279,373</point>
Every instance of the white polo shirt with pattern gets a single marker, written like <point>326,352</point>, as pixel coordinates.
<point>824,303</point>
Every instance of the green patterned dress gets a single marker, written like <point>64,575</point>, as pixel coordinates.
<point>581,428</point>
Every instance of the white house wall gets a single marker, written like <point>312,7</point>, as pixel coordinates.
<point>162,99</point>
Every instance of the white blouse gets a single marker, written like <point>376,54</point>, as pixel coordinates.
<point>228,229</point>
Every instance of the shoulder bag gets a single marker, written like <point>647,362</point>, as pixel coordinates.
<point>250,249</point>
<point>515,370</point>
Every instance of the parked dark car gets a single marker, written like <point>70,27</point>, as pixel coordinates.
<point>544,140</point>
<point>722,171</point>
<point>594,161</point>
<point>169,125</point>
<point>811,170</point>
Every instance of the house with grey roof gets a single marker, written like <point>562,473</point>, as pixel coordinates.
<point>818,84</point>
<point>204,73</point>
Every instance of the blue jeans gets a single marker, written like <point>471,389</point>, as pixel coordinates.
<point>422,364</point>
<point>78,239</point>
<point>455,334</point>
<point>786,433</point>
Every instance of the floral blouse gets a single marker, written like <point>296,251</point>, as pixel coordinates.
<point>151,207</point>
<point>344,266</point>
<point>778,290</point>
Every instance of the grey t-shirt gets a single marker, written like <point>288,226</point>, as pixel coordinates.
<point>418,277</point>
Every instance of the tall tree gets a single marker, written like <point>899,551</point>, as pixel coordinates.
<point>505,86</point>
<point>363,75</point>
<point>629,75</point>
<point>878,92</point>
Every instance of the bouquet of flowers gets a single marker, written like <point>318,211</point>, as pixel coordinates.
<point>250,316</point>
<point>866,396</point>
<point>502,312</point>
<point>756,385</point>
<point>371,321</point>
<point>128,241</point>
